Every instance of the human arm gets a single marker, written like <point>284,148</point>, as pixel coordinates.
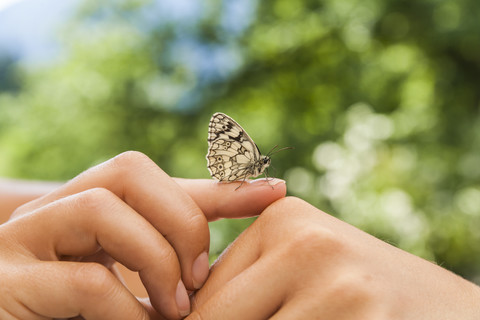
<point>297,262</point>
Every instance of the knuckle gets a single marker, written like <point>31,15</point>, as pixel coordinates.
<point>284,209</point>
<point>290,202</point>
<point>131,164</point>
<point>167,258</point>
<point>92,279</point>
<point>166,263</point>
<point>314,240</point>
<point>94,199</point>
<point>293,201</point>
<point>354,288</point>
<point>289,221</point>
<point>129,159</point>
<point>196,221</point>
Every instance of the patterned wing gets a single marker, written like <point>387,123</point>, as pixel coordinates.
<point>231,152</point>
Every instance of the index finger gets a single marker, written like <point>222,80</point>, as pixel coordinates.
<point>223,200</point>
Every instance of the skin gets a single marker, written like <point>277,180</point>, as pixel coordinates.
<point>57,251</point>
<point>297,262</point>
<point>293,262</point>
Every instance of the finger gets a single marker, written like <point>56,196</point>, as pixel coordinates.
<point>69,289</point>
<point>239,256</point>
<point>81,224</point>
<point>256,293</point>
<point>138,181</point>
<point>223,200</point>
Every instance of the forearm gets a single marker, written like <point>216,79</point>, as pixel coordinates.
<point>14,193</point>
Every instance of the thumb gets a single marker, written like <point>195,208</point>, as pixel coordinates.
<point>233,200</point>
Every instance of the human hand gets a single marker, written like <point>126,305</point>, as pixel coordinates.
<point>126,210</point>
<point>296,262</point>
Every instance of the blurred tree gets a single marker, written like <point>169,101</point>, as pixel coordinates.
<point>379,98</point>
<point>8,77</point>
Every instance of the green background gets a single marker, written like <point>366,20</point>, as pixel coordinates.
<point>379,98</point>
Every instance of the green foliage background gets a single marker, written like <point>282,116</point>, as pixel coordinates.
<point>380,99</point>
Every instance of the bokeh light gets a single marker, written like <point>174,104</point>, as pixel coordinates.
<point>378,98</point>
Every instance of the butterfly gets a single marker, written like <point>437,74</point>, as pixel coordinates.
<point>232,154</point>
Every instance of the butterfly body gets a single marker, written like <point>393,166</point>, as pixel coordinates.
<point>232,154</point>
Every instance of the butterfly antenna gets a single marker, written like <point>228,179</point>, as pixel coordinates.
<point>270,152</point>
<point>277,151</point>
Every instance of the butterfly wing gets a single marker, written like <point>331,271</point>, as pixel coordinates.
<point>231,152</point>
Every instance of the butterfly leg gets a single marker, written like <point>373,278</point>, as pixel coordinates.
<point>244,178</point>
<point>268,178</point>
<point>241,184</point>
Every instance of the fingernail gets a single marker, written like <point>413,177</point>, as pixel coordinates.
<point>183,302</point>
<point>200,270</point>
<point>267,181</point>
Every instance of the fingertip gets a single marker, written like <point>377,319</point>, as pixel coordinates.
<point>277,186</point>
<point>200,270</point>
<point>182,299</point>
<point>268,181</point>
<point>265,191</point>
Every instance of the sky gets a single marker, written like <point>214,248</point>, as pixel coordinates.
<point>27,27</point>
<point>4,4</point>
